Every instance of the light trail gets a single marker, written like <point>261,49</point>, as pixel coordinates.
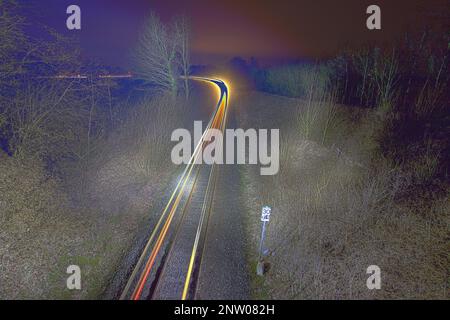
<point>217,121</point>
<point>222,108</point>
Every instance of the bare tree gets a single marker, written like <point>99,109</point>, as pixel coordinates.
<point>182,31</point>
<point>156,56</point>
<point>12,39</point>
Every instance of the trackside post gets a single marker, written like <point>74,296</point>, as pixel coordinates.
<point>265,218</point>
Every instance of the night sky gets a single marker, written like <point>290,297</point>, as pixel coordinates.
<point>264,29</point>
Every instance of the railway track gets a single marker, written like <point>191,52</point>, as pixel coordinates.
<point>170,262</point>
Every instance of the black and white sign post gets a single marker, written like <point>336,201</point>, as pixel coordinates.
<point>265,217</point>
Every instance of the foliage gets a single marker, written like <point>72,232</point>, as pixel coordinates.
<point>296,80</point>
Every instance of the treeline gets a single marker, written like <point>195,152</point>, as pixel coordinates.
<point>44,115</point>
<point>406,84</point>
<point>50,114</point>
<point>370,77</point>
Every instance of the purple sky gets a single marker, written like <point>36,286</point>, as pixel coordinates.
<point>282,28</point>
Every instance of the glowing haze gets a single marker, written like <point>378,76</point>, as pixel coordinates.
<point>273,29</point>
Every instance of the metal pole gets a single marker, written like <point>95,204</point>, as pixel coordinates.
<point>263,232</point>
<point>265,217</point>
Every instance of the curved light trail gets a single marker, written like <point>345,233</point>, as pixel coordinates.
<point>150,253</point>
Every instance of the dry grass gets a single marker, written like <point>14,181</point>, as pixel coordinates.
<point>336,213</point>
<point>94,221</point>
<point>32,209</point>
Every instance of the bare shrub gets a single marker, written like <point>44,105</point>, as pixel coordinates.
<point>162,55</point>
<point>149,128</point>
<point>296,80</point>
<point>136,153</point>
<point>44,121</point>
<point>13,39</point>
<point>317,115</point>
<point>182,32</point>
<point>28,194</point>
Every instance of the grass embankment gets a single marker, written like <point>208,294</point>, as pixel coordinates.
<point>340,205</point>
<point>85,216</point>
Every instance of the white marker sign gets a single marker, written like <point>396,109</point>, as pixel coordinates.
<point>265,214</point>
<point>265,217</point>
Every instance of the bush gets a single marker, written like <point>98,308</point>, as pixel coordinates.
<point>148,129</point>
<point>28,196</point>
<point>297,80</point>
